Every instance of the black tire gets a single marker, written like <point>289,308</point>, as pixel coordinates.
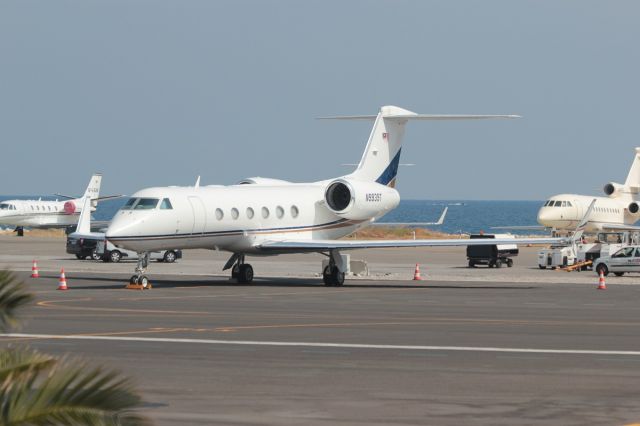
<point>602,268</point>
<point>245,274</point>
<point>169,257</point>
<point>115,256</point>
<point>498,263</point>
<point>542,267</point>
<point>509,263</point>
<point>235,271</point>
<point>95,256</point>
<point>143,281</point>
<point>79,257</point>
<point>133,279</point>
<point>337,277</point>
<point>472,264</point>
<point>618,274</point>
<point>326,276</point>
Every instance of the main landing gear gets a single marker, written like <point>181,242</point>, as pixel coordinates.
<point>240,271</point>
<point>141,268</point>
<point>333,274</point>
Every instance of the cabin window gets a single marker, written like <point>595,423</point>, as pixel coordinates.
<point>129,204</point>
<point>250,213</point>
<point>166,204</point>
<point>265,212</point>
<point>279,212</point>
<point>219,214</point>
<point>294,211</point>
<point>234,213</point>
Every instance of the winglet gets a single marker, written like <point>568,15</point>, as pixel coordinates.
<point>577,235</point>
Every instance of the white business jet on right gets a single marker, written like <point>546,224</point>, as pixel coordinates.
<point>618,211</point>
<point>264,217</point>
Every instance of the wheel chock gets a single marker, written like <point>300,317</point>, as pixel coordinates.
<point>138,287</point>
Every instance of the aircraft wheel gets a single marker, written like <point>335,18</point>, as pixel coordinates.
<point>235,271</point>
<point>326,276</point>
<point>245,274</point>
<point>337,277</point>
<point>133,279</point>
<point>143,281</point>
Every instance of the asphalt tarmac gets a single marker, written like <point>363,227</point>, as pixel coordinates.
<point>290,351</point>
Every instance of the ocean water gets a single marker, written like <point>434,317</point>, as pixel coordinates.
<point>468,216</point>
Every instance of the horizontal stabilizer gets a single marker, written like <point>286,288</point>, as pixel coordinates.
<point>422,117</point>
<point>414,224</point>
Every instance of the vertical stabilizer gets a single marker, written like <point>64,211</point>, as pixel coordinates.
<point>93,189</point>
<point>633,178</point>
<point>84,221</point>
<point>381,157</point>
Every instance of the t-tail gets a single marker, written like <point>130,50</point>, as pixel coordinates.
<point>381,157</point>
<point>93,189</point>
<point>631,187</point>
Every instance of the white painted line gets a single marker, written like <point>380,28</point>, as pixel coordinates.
<point>319,344</point>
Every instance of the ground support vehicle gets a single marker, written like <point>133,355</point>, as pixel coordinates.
<point>107,252</point>
<point>626,259</point>
<point>491,255</point>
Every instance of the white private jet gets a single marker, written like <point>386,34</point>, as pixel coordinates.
<point>618,211</point>
<point>50,214</point>
<point>262,217</point>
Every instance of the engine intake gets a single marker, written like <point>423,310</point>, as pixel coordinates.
<point>613,189</point>
<point>357,200</point>
<point>338,196</point>
<point>634,208</point>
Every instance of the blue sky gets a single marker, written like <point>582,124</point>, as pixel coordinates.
<point>157,92</point>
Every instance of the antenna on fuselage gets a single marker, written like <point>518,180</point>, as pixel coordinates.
<point>197,185</point>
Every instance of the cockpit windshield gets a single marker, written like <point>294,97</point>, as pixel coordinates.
<point>129,204</point>
<point>146,204</point>
<point>5,206</point>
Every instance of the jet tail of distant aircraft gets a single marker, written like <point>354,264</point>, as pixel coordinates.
<point>93,189</point>
<point>633,178</point>
<point>381,156</point>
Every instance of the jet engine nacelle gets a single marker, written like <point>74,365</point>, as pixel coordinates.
<point>634,208</point>
<point>70,207</point>
<point>359,200</point>
<point>262,181</point>
<point>613,189</point>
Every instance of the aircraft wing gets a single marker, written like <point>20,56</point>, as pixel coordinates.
<point>326,245</point>
<point>523,228</point>
<point>619,227</point>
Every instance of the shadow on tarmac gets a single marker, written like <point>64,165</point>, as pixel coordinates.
<point>120,282</point>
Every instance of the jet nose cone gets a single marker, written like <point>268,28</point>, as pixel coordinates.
<point>544,217</point>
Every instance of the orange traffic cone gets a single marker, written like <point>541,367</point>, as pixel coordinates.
<point>416,274</point>
<point>34,270</point>
<point>62,284</point>
<point>601,284</point>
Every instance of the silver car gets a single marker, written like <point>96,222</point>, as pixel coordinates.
<point>627,259</point>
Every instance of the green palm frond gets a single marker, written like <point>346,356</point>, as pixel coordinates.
<point>14,362</point>
<point>13,296</point>
<point>69,393</point>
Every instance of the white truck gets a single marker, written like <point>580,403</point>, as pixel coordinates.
<point>563,256</point>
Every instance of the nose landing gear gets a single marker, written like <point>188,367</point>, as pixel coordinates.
<point>140,281</point>
<point>333,274</point>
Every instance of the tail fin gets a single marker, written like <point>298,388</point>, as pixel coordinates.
<point>381,157</point>
<point>93,189</point>
<point>633,178</point>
